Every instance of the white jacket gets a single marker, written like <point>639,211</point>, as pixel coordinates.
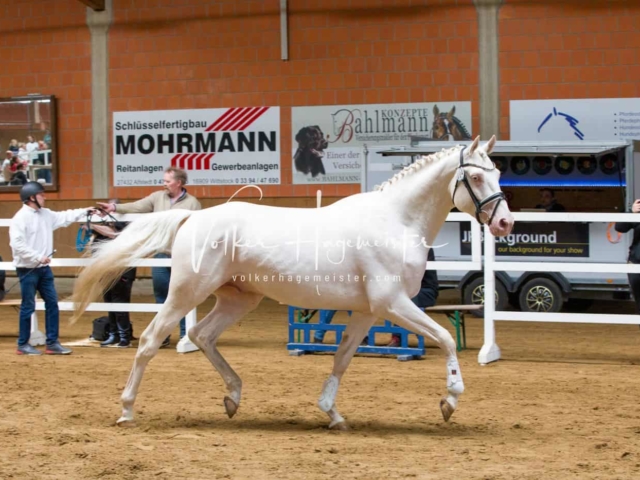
<point>31,233</point>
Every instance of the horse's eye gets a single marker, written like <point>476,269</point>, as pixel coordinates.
<point>476,178</point>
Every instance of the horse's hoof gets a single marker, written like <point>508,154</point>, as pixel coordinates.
<point>340,426</point>
<point>126,422</point>
<point>447,409</point>
<point>230,406</point>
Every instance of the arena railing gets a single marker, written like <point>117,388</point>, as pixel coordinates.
<point>185,345</point>
<point>38,338</point>
<point>490,352</point>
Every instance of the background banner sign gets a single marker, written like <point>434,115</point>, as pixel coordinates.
<point>589,119</point>
<point>327,141</point>
<point>218,146</point>
<point>536,239</point>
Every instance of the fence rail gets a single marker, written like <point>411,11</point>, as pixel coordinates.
<point>38,338</point>
<point>490,351</point>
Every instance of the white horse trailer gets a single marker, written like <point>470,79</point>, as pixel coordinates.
<point>605,168</point>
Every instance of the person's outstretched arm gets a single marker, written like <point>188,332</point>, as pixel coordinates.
<point>67,217</point>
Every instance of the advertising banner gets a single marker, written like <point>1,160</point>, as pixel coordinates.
<point>586,119</point>
<point>553,239</point>
<point>219,146</point>
<point>327,140</point>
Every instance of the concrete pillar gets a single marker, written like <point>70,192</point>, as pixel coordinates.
<point>489,69</point>
<point>99,23</point>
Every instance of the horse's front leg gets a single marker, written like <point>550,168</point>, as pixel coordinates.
<point>357,328</point>
<point>405,313</point>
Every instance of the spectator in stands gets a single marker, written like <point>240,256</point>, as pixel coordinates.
<point>31,147</point>
<point>19,177</point>
<point>120,331</point>
<point>6,167</point>
<point>31,240</point>
<point>23,155</point>
<point>13,146</point>
<point>634,252</point>
<point>548,201</point>
<point>173,196</point>
<point>13,165</point>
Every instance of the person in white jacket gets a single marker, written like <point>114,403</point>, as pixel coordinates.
<point>31,239</point>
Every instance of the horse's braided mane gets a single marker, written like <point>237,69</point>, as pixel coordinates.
<point>416,166</point>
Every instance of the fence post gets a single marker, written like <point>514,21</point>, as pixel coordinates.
<point>36,338</point>
<point>490,352</point>
<point>185,345</point>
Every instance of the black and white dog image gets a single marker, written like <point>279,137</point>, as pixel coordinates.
<point>311,145</point>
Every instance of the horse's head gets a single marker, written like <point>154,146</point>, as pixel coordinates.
<point>475,188</point>
<point>442,126</point>
<point>311,145</point>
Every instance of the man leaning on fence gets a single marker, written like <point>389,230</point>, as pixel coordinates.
<point>174,196</point>
<point>31,239</point>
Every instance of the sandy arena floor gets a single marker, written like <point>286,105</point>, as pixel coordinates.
<point>563,403</point>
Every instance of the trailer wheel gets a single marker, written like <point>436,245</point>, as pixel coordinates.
<point>541,295</point>
<point>474,294</point>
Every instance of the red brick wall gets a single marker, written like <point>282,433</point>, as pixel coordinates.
<point>45,47</point>
<point>202,54</point>
<point>568,50</point>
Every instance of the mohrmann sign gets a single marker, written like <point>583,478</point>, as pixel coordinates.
<point>327,140</point>
<point>217,146</point>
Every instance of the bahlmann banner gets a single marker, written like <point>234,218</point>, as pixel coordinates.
<point>536,239</point>
<point>328,141</point>
<point>218,146</point>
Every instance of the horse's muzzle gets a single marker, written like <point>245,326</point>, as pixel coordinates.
<point>501,225</point>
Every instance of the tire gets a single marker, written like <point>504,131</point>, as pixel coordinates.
<point>541,295</point>
<point>474,295</point>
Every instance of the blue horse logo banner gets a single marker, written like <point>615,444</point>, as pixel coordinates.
<point>588,119</point>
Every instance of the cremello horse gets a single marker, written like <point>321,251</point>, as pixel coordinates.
<point>345,256</point>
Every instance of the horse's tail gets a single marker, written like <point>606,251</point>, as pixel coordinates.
<point>143,237</point>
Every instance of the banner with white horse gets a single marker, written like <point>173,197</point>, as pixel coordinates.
<point>327,141</point>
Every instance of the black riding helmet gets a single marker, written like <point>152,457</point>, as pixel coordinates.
<point>29,190</point>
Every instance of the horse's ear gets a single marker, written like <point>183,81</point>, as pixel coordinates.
<point>451,113</point>
<point>436,111</point>
<point>490,144</point>
<point>474,145</point>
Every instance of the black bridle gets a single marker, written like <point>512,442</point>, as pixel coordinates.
<point>462,177</point>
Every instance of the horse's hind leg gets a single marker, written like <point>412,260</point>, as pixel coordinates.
<point>231,306</point>
<point>357,328</point>
<point>161,326</point>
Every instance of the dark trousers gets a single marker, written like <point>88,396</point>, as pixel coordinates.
<point>121,293</point>
<point>426,297</point>
<point>634,284</point>
<point>39,280</point>
<point>161,277</point>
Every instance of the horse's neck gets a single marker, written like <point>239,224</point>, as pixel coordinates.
<point>424,199</point>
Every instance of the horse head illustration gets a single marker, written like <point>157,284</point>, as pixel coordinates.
<point>446,126</point>
<point>571,121</point>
